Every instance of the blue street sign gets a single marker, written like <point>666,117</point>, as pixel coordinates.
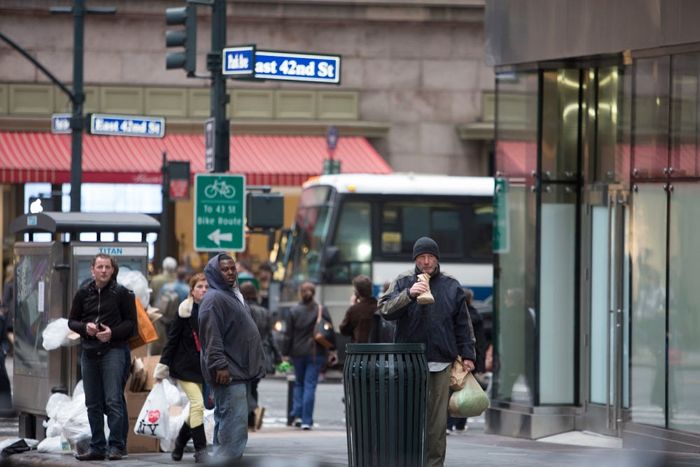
<point>60,123</point>
<point>332,136</point>
<point>290,66</point>
<point>238,61</point>
<point>127,125</point>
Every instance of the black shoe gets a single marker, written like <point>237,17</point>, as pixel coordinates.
<point>116,455</point>
<point>180,442</point>
<point>91,456</point>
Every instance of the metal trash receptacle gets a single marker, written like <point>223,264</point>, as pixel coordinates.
<point>386,389</point>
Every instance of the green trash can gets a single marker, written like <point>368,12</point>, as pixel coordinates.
<point>386,390</point>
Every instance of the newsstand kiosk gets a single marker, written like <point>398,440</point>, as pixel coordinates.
<point>48,271</point>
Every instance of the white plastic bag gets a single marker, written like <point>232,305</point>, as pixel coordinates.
<point>154,417</point>
<point>55,445</point>
<point>55,334</point>
<point>137,283</point>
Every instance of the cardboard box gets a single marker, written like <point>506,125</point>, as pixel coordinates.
<point>136,443</point>
<point>149,365</point>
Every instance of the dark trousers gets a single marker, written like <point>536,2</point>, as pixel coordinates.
<point>103,381</point>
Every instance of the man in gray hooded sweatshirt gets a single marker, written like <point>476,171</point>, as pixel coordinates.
<point>232,354</point>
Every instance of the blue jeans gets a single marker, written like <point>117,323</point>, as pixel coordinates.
<point>103,382</point>
<point>306,371</point>
<point>231,419</point>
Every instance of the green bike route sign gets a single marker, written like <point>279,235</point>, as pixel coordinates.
<point>219,212</point>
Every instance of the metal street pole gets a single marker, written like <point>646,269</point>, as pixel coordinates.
<point>77,124</point>
<point>76,121</point>
<point>219,98</point>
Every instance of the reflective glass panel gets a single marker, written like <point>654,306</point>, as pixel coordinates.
<point>685,157</point>
<point>515,321</point>
<point>516,124</point>
<point>560,121</point>
<point>684,318</point>
<point>651,112</point>
<point>648,363</point>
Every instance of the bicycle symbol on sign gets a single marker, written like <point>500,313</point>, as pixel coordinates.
<point>220,188</point>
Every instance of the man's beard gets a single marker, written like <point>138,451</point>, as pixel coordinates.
<point>306,299</point>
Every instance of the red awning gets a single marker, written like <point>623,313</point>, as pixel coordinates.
<point>264,160</point>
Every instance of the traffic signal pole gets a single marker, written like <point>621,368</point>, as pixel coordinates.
<point>219,98</point>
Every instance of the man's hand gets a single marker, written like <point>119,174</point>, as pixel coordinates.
<point>104,334</point>
<point>417,289</point>
<point>332,357</point>
<point>468,365</point>
<point>223,376</point>
<point>91,329</point>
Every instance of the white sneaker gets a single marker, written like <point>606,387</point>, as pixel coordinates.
<point>305,427</point>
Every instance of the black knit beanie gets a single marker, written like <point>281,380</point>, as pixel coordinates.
<point>425,245</point>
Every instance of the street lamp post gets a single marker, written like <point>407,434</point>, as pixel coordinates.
<point>77,124</point>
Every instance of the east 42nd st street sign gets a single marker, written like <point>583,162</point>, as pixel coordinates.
<point>219,212</point>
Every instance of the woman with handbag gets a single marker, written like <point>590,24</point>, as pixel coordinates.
<point>180,360</point>
<point>304,322</point>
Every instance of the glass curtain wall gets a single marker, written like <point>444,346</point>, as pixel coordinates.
<point>515,237</point>
<point>665,345</point>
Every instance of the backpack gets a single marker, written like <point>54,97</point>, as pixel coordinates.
<point>168,302</point>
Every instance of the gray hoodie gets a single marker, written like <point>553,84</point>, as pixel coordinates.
<point>230,338</point>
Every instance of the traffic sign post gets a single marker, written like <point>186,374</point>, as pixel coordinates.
<point>219,216</point>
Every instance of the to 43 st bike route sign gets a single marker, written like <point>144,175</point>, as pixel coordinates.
<point>219,213</point>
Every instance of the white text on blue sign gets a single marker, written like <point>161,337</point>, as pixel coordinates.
<point>238,61</point>
<point>297,67</point>
<point>126,125</point>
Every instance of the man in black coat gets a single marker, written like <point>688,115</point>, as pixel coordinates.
<point>104,314</point>
<point>444,327</point>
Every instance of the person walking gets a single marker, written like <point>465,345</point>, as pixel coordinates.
<point>104,314</point>
<point>232,355</point>
<point>443,327</point>
<point>181,360</point>
<point>263,320</point>
<point>308,356</point>
<point>167,274</point>
<point>358,322</point>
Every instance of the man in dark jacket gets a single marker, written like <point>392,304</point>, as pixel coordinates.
<point>232,354</point>
<point>444,327</point>
<point>263,320</point>
<point>104,314</point>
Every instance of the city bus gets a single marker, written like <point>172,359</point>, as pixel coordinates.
<point>350,224</point>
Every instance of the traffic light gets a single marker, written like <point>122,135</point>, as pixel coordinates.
<point>182,16</point>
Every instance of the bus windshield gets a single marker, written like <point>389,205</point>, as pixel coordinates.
<point>309,235</point>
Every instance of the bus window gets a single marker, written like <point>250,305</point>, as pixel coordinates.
<point>478,234</point>
<point>309,236</point>
<point>354,243</point>
<point>404,222</point>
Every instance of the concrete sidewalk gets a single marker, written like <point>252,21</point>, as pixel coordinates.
<point>287,447</point>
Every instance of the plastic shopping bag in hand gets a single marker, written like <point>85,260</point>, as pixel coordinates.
<point>154,416</point>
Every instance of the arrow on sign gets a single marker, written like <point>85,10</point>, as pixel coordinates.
<point>216,237</point>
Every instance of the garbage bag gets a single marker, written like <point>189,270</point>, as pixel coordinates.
<point>137,283</point>
<point>54,444</point>
<point>55,335</point>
